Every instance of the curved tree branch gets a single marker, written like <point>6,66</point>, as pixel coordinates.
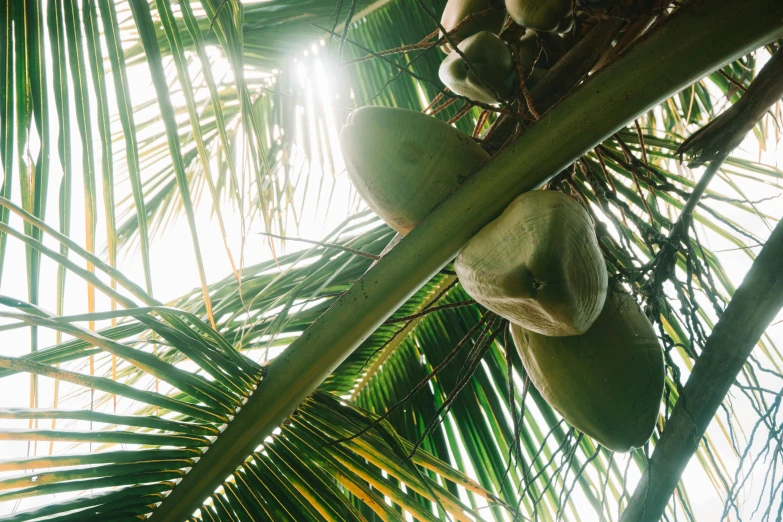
<point>723,134</point>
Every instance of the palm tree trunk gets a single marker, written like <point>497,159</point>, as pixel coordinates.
<point>754,305</point>
<point>688,46</point>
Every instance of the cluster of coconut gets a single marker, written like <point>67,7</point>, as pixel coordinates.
<point>589,350</point>
<point>490,74</point>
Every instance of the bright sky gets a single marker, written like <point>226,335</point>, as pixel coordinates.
<point>174,268</point>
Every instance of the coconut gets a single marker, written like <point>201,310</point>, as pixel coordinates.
<point>490,59</point>
<point>493,62</point>
<point>456,11</point>
<point>538,265</point>
<point>606,382</point>
<point>403,163</point>
<point>527,50</point>
<point>540,15</point>
<point>539,49</point>
<point>542,49</point>
<point>565,25</point>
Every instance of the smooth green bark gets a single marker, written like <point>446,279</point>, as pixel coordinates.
<point>688,46</point>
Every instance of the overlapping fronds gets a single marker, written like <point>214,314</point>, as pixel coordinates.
<point>199,382</point>
<point>161,402</point>
<point>305,473</point>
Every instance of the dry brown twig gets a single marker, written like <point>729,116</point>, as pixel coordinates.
<point>466,108</point>
<point>425,43</point>
<point>443,106</point>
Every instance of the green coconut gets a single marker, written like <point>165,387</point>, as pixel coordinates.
<point>538,265</point>
<point>543,49</point>
<point>404,163</point>
<point>565,25</point>
<point>494,63</point>
<point>456,11</point>
<point>539,15</point>
<point>527,50</point>
<point>490,60</point>
<point>606,382</point>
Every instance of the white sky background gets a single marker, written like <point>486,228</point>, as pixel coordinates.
<point>174,268</point>
<point>175,273</point>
